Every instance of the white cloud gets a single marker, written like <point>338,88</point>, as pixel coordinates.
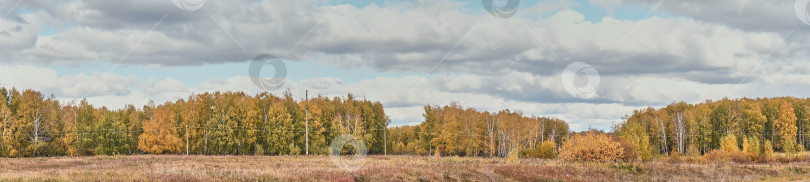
<point>405,96</point>
<point>396,38</point>
<point>166,85</point>
<point>708,50</point>
<point>50,82</point>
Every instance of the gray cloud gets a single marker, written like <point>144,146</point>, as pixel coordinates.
<point>393,38</point>
<point>749,15</point>
<point>708,49</point>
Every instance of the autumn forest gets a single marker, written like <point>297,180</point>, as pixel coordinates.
<point>235,123</point>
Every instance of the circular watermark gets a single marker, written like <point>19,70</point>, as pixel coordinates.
<point>569,75</point>
<point>257,66</point>
<point>800,7</point>
<point>357,160</point>
<point>506,11</point>
<point>189,5</point>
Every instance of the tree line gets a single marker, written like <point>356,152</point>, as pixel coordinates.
<point>454,130</point>
<point>780,123</point>
<point>219,123</point>
<point>235,123</point>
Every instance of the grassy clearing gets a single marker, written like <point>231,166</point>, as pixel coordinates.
<point>376,168</point>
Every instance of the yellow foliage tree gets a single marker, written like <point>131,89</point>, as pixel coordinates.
<point>785,126</point>
<point>751,147</point>
<point>591,147</point>
<point>729,144</point>
<point>767,151</point>
<point>159,136</point>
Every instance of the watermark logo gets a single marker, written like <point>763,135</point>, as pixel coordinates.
<point>507,11</point>
<point>132,39</point>
<point>800,6</point>
<point>257,66</point>
<point>189,5</point>
<point>356,161</point>
<point>586,91</point>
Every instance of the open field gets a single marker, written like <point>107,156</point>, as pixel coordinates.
<point>376,168</point>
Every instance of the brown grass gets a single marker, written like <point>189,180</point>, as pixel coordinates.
<point>376,168</point>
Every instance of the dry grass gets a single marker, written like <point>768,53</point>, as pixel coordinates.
<point>376,168</point>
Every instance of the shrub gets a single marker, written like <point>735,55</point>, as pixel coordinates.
<point>692,151</point>
<point>628,167</point>
<point>803,157</point>
<point>547,150</point>
<point>629,152</point>
<point>259,150</point>
<point>422,152</point>
<point>784,158</point>
<point>675,157</point>
<point>740,157</point>
<point>730,151</point>
<point>800,157</point>
<point>530,153</point>
<point>723,156</point>
<point>591,147</point>
<point>513,157</point>
<point>717,156</point>
<point>294,150</point>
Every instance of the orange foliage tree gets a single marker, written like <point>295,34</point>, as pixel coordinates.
<point>591,146</point>
<point>159,136</point>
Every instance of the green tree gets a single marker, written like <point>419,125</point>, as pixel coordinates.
<point>704,137</point>
<point>426,129</point>
<point>86,115</point>
<point>633,132</point>
<point>278,135</point>
<point>802,111</point>
<point>112,137</point>
<point>720,119</point>
<point>771,110</point>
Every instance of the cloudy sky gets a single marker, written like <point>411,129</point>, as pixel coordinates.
<point>589,62</point>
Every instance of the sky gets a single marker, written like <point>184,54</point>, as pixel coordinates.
<point>588,62</point>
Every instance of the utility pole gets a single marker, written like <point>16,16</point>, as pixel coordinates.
<point>385,141</point>
<point>186,139</point>
<point>306,124</point>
